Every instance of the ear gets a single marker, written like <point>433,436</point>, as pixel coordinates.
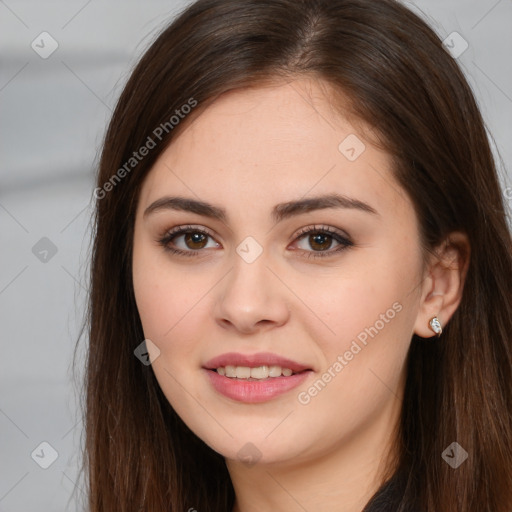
<point>443,284</point>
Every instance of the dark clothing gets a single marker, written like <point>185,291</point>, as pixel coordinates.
<point>389,497</point>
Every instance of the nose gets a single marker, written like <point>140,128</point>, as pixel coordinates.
<point>251,298</point>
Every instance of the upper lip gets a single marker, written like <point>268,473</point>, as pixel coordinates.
<point>253,361</point>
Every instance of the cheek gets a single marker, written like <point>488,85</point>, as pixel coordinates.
<point>371,312</point>
<point>155,301</point>
<point>169,300</point>
<point>364,361</point>
<point>370,293</point>
<point>162,309</point>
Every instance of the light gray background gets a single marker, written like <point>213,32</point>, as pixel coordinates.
<point>52,119</point>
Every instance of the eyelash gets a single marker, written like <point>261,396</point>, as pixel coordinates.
<point>344,242</point>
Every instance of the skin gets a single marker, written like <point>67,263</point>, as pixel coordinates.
<point>248,151</point>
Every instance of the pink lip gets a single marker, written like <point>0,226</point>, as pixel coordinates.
<point>254,360</point>
<point>254,391</point>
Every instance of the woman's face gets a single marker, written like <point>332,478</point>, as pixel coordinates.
<point>273,270</point>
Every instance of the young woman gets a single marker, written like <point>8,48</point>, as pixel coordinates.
<point>302,272</point>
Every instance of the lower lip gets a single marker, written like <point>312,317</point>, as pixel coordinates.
<point>255,391</point>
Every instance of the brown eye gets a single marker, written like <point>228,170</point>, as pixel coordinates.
<point>192,243</point>
<point>320,240</point>
<point>195,240</point>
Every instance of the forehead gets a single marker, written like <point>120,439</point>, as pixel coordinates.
<point>266,145</point>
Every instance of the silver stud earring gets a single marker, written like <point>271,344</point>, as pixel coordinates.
<point>435,325</point>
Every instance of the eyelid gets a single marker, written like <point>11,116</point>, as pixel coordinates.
<point>323,228</point>
<point>188,227</point>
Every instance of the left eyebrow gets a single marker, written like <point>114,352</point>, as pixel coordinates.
<point>280,211</point>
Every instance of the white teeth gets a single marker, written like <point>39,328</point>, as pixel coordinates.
<point>230,371</point>
<point>243,372</point>
<point>274,371</point>
<point>259,372</point>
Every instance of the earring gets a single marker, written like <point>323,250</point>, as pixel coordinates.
<point>435,325</point>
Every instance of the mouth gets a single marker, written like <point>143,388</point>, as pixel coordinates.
<point>254,378</point>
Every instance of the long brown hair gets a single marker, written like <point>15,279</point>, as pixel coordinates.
<point>138,454</point>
